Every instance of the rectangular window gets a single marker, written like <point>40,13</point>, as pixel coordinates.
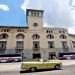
<point>35,14</point>
<point>64,44</point>
<point>38,14</point>
<point>50,44</point>
<point>31,13</point>
<point>3,44</point>
<point>73,43</point>
<point>20,44</point>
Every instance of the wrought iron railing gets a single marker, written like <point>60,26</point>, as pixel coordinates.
<point>36,48</point>
<point>2,48</point>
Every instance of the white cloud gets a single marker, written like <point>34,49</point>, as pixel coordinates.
<point>4,7</point>
<point>24,6</point>
<point>57,13</point>
<point>73,2</point>
<point>45,24</point>
<point>71,30</point>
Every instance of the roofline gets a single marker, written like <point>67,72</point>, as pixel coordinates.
<point>34,10</point>
<point>14,26</point>
<point>55,28</point>
<point>71,34</point>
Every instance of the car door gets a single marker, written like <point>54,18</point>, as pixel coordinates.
<point>51,65</point>
<point>45,65</point>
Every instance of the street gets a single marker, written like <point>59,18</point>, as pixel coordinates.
<point>68,70</point>
<point>14,69</point>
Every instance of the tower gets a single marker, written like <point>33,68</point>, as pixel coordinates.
<point>34,19</point>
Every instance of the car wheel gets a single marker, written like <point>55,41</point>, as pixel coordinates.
<point>33,69</point>
<point>57,67</point>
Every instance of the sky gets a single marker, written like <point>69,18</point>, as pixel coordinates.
<point>57,13</point>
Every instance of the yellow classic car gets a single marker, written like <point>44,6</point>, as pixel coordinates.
<point>33,66</point>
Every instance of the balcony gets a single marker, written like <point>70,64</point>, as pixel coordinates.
<point>2,48</point>
<point>19,48</point>
<point>65,48</point>
<point>36,48</point>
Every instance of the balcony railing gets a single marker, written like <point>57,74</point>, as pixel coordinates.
<point>65,47</point>
<point>2,48</point>
<point>19,48</point>
<point>36,48</point>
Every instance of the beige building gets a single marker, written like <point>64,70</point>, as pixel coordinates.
<point>34,40</point>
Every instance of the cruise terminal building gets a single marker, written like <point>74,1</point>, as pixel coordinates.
<point>34,40</point>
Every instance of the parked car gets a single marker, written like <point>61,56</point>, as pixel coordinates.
<point>43,64</point>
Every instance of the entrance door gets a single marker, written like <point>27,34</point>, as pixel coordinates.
<point>38,55</point>
<point>52,55</point>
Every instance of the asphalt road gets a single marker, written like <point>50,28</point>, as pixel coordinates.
<point>67,70</point>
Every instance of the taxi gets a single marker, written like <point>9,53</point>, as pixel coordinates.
<point>41,64</point>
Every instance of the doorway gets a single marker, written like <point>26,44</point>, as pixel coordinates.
<point>52,55</point>
<point>38,55</point>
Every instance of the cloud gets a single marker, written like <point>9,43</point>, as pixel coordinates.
<point>71,30</point>
<point>72,3</point>
<point>24,6</point>
<point>57,13</point>
<point>4,7</point>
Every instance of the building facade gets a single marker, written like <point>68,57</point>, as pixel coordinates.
<point>34,40</point>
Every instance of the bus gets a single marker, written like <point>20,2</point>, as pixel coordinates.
<point>67,55</point>
<point>10,57</point>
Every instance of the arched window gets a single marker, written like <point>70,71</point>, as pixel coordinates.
<point>50,36</point>
<point>63,36</point>
<point>35,36</point>
<point>4,36</point>
<point>20,36</point>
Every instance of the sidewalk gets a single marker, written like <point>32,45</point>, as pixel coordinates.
<point>68,62</point>
<point>10,67</point>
